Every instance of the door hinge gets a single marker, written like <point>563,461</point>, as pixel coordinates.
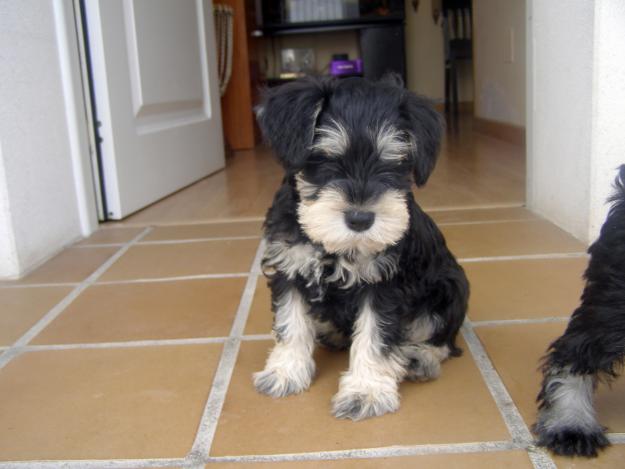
<point>98,138</point>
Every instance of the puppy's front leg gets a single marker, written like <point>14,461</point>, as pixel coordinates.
<point>369,387</point>
<point>290,367</point>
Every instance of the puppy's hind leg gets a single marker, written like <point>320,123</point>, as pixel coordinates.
<point>424,361</point>
<point>290,367</point>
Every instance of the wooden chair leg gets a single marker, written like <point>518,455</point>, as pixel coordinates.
<point>454,88</point>
<point>447,89</point>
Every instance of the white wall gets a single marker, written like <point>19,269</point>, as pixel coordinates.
<point>39,205</point>
<point>499,56</point>
<point>425,56</point>
<point>8,251</point>
<point>560,111</point>
<point>608,130</point>
<point>576,76</point>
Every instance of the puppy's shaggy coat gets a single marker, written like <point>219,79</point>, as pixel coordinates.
<point>592,347</point>
<point>352,260</point>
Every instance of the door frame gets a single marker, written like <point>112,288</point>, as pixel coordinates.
<point>77,112</point>
<point>90,108</point>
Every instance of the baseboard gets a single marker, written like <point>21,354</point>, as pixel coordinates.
<point>464,107</point>
<point>501,130</point>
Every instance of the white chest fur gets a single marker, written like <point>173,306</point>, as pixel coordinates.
<point>314,265</point>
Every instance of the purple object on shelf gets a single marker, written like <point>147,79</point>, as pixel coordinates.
<point>345,67</point>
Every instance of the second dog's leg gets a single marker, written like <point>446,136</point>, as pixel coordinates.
<point>592,345</point>
<point>290,367</point>
<point>369,387</point>
<point>566,420</point>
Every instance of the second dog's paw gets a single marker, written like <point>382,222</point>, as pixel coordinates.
<point>362,405</point>
<point>572,442</point>
<point>278,382</point>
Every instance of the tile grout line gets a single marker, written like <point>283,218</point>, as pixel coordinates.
<point>243,338</point>
<point>125,344</point>
<point>510,322</point>
<point>9,286</point>
<point>166,224</point>
<point>452,208</point>
<point>555,255</point>
<point>141,343</point>
<point>245,274</point>
<point>96,245</point>
<point>616,438</point>
<point>248,219</point>
<point>15,349</point>
<point>381,452</point>
<point>508,409</point>
<point>175,279</point>
<point>486,222</point>
<point>94,464</point>
<point>210,417</point>
<point>198,240</point>
<point>258,236</point>
<point>169,241</point>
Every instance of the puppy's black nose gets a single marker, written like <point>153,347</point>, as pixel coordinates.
<point>359,221</point>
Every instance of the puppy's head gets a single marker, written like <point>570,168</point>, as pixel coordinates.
<point>354,148</point>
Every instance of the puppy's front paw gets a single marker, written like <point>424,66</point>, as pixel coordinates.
<point>357,402</point>
<point>283,381</point>
<point>572,442</point>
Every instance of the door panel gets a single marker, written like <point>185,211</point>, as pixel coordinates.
<point>157,97</point>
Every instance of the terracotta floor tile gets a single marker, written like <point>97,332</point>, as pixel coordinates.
<point>515,352</point>
<point>143,311</point>
<point>170,260</point>
<point>260,318</point>
<point>509,239</point>
<point>111,236</point>
<point>245,188</point>
<point>472,170</point>
<point>511,459</point>
<point>456,407</point>
<point>611,458</point>
<point>72,265</point>
<point>205,230</point>
<point>524,289</point>
<point>481,215</point>
<point>21,308</point>
<point>110,403</point>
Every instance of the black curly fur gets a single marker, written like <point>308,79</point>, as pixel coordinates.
<point>426,280</point>
<point>593,344</point>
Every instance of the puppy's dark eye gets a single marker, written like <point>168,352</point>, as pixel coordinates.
<point>320,170</point>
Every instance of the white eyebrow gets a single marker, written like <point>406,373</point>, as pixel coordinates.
<point>332,140</point>
<point>393,144</point>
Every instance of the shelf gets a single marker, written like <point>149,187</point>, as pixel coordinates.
<point>277,81</point>
<point>324,26</point>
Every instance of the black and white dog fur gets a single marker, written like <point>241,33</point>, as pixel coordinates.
<point>592,347</point>
<point>351,259</point>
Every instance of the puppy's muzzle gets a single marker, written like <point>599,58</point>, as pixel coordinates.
<point>357,220</point>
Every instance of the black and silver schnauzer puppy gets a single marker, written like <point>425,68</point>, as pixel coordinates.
<point>591,348</point>
<point>351,259</point>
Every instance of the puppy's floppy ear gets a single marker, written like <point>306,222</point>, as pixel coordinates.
<point>288,115</point>
<point>425,127</point>
<point>392,79</point>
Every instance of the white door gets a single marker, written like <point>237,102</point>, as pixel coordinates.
<point>156,95</point>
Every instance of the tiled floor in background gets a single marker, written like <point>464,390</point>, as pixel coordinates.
<point>135,347</point>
